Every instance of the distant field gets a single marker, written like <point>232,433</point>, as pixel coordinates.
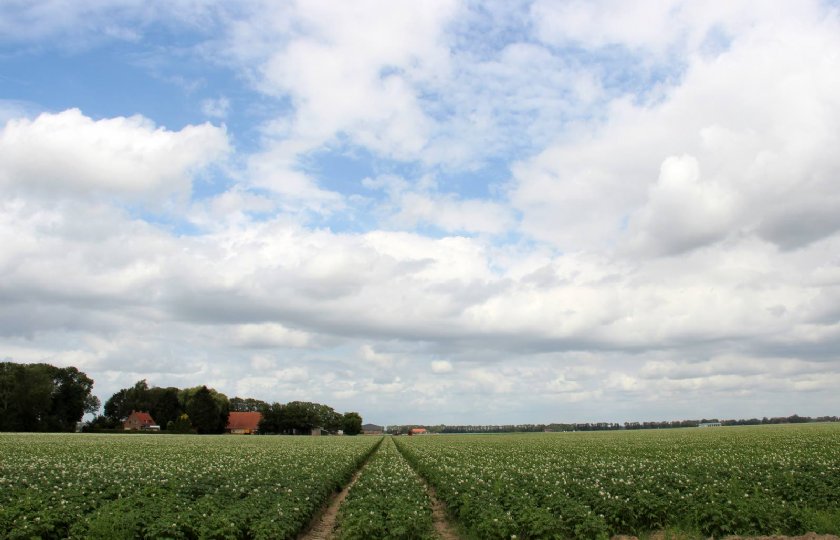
<point>173,486</point>
<point>698,482</point>
<point>701,481</point>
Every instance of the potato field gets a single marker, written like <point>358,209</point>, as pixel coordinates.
<point>169,486</point>
<point>699,482</point>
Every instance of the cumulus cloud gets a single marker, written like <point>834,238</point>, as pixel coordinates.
<point>683,211</point>
<point>68,153</point>
<point>348,69</point>
<point>755,119</point>
<point>420,203</point>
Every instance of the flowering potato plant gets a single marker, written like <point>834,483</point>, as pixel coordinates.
<point>711,482</point>
<point>387,501</point>
<point>174,486</point>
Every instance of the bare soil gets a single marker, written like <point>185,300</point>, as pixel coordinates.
<point>322,526</point>
<point>443,526</point>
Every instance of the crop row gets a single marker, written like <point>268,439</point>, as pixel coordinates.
<point>387,501</point>
<point>113,486</point>
<point>718,481</point>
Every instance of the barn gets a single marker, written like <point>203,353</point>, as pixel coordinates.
<point>243,423</point>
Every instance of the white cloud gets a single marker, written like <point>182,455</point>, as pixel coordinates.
<point>757,119</point>
<point>348,69</point>
<point>381,360</point>
<point>410,205</point>
<point>683,211</point>
<point>216,108</point>
<point>71,154</point>
<point>441,366</point>
<point>269,335</point>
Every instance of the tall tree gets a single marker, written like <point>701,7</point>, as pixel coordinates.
<point>274,419</point>
<point>42,397</point>
<point>205,412</point>
<point>165,406</point>
<point>352,423</point>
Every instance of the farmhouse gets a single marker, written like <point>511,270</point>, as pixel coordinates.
<point>140,421</point>
<point>417,431</point>
<point>243,423</point>
<point>372,429</point>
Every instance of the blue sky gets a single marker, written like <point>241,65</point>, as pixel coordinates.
<point>446,211</point>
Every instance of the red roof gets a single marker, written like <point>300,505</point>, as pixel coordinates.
<point>418,430</point>
<point>244,420</point>
<point>141,417</point>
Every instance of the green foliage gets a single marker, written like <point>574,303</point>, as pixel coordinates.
<point>41,397</point>
<point>239,404</point>
<point>299,418</point>
<point>745,481</point>
<point>177,486</point>
<point>207,414</point>
<point>387,501</point>
<point>180,425</point>
<point>352,423</point>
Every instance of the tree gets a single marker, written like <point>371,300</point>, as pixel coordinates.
<point>71,398</point>
<point>205,412</point>
<point>274,419</point>
<point>239,404</point>
<point>42,397</point>
<point>180,425</point>
<point>352,423</point>
<point>136,398</point>
<point>165,406</point>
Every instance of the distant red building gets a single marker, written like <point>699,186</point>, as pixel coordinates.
<point>243,423</point>
<point>417,431</point>
<point>140,421</point>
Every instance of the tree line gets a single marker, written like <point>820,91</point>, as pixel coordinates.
<point>204,410</point>
<point>604,426</point>
<point>41,397</point>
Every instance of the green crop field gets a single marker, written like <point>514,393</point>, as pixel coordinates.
<point>698,482</point>
<point>712,481</point>
<point>174,486</point>
<point>387,501</point>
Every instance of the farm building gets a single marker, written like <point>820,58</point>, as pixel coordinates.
<point>710,424</point>
<point>140,421</point>
<point>243,423</point>
<point>372,429</point>
<point>417,431</point>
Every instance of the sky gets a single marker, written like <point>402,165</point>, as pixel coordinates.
<point>429,212</point>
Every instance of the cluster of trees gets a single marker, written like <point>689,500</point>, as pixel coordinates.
<point>204,410</point>
<point>605,426</point>
<point>42,397</point>
<point>301,417</point>
<point>198,409</point>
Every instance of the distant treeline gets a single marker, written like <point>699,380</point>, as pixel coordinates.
<point>606,426</point>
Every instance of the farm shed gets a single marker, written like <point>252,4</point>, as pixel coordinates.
<point>140,421</point>
<point>710,424</point>
<point>372,429</point>
<point>418,431</point>
<point>243,423</point>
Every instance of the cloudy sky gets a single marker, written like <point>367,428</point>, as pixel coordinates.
<point>437,211</point>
